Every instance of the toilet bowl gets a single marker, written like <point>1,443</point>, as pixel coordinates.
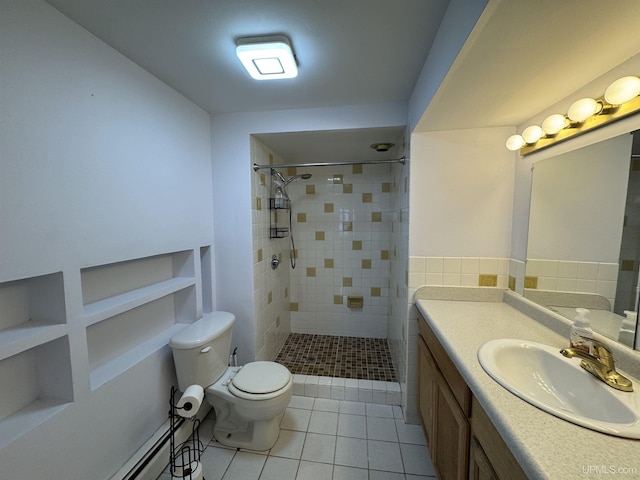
<point>248,401</point>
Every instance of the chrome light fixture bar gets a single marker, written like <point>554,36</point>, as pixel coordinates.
<point>267,58</point>
<point>621,99</point>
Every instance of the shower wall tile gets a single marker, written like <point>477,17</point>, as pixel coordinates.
<point>271,287</point>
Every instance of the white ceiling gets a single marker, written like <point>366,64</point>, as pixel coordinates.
<point>522,57</point>
<point>349,52</point>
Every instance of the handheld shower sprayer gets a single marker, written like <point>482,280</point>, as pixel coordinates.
<point>279,182</point>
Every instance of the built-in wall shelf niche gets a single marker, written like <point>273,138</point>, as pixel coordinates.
<point>132,308</point>
<point>35,366</point>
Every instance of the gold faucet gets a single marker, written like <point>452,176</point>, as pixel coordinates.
<point>600,364</point>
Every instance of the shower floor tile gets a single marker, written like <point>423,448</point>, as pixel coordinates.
<point>333,356</point>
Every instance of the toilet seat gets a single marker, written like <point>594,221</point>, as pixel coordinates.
<point>260,381</point>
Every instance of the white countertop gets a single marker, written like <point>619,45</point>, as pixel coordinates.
<point>545,446</point>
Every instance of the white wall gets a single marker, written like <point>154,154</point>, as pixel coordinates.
<point>458,22</point>
<point>461,194</point>
<point>232,193</point>
<point>99,162</point>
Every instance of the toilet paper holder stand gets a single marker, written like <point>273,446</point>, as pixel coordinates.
<point>184,459</point>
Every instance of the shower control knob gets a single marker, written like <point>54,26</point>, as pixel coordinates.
<point>274,262</point>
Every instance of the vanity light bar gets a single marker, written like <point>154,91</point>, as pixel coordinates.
<point>620,100</point>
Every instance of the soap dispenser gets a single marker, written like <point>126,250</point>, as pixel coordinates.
<point>628,328</point>
<point>581,331</point>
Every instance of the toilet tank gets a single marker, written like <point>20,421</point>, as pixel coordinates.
<point>201,350</point>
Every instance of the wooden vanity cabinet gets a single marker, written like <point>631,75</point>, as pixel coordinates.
<point>444,403</point>
<point>462,441</point>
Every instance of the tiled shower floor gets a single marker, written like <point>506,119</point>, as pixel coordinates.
<point>333,356</point>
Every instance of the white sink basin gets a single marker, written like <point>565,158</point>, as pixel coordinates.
<point>540,375</point>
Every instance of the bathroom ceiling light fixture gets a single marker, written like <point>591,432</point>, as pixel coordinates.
<point>267,58</point>
<point>382,147</point>
<point>621,99</point>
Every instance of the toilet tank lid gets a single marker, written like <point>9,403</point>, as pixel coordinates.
<point>210,326</point>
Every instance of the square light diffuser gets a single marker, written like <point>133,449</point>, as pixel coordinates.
<point>267,58</point>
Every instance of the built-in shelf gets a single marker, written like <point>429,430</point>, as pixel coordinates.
<point>27,335</point>
<point>29,418</point>
<point>132,308</point>
<point>35,365</point>
<point>111,369</point>
<point>102,309</point>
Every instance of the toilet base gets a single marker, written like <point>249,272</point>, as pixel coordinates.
<point>243,423</point>
<point>257,435</point>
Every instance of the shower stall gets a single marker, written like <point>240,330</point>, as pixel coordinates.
<point>342,251</point>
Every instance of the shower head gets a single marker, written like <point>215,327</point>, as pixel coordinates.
<point>303,176</point>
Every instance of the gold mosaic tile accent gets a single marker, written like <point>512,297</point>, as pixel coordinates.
<point>357,169</point>
<point>328,263</point>
<point>293,306</point>
<point>386,187</point>
<point>320,235</point>
<point>356,245</point>
<point>338,179</point>
<point>311,271</point>
<point>328,208</point>
<point>259,255</point>
<point>347,282</point>
<point>270,297</point>
<point>337,300</point>
<point>376,291</point>
<point>376,216</point>
<point>292,171</point>
<point>530,282</point>
<point>310,189</point>
<point>512,283</point>
<point>347,188</point>
<point>302,217</point>
<point>384,254</point>
<point>366,263</point>
<point>258,203</point>
<point>263,181</point>
<point>347,226</point>
<point>367,197</point>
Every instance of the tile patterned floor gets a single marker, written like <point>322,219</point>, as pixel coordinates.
<point>333,356</point>
<point>325,439</point>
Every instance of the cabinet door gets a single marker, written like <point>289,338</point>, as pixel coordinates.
<point>426,389</point>
<point>479,466</point>
<point>451,455</point>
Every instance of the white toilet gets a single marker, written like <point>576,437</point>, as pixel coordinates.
<point>249,401</point>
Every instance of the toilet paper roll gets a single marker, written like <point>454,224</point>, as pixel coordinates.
<point>192,472</point>
<point>190,401</point>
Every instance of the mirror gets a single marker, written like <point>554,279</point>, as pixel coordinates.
<point>584,235</point>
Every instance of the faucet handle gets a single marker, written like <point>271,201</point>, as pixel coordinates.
<point>602,353</point>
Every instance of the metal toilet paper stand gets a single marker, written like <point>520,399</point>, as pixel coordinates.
<point>184,460</point>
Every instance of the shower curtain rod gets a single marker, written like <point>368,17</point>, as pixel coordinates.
<point>257,167</point>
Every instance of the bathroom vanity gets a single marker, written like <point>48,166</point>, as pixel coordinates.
<point>477,429</point>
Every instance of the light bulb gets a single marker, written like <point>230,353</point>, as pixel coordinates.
<point>622,90</point>
<point>532,134</point>
<point>582,109</point>
<point>554,123</point>
<point>515,142</point>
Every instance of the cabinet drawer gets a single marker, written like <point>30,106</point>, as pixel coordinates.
<point>458,386</point>
<point>504,464</point>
